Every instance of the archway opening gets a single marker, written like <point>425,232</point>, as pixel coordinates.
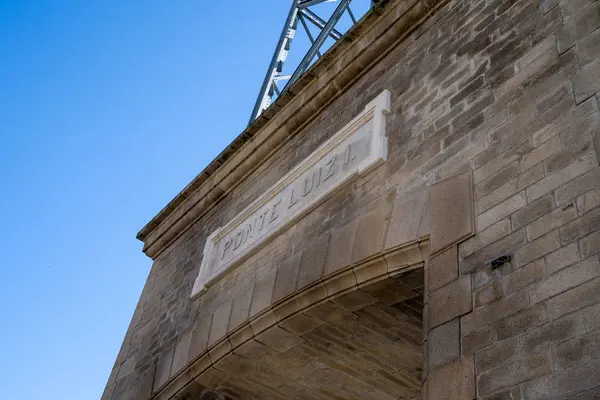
<point>366,343</point>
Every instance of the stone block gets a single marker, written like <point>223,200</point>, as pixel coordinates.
<point>582,226</point>
<point>354,300</point>
<point>450,301</point>
<point>181,354</point>
<point>406,218</point>
<point>483,257</point>
<point>501,211</point>
<point>328,312</point>
<point>488,293</point>
<point>591,199</point>
<point>199,340</point>
<point>495,311</point>
<point>565,279</point>
<point>496,354</point>
<point>565,383</point>
<point>442,268</point>
<point>559,178</point>
<point>241,307</point>
<point>524,180</point>
<point>557,218</point>
<point>580,350</point>
<point>574,299</point>
<point>449,213</point>
<point>566,122</point>
<point>531,212</point>
<point>550,335</point>
<point>578,26</point>
<point>538,248</point>
<point>370,234</point>
<point>590,244</point>
<point>443,344</point>
<point>287,277</point>
<point>514,372</point>
<point>127,367</point>
<point>497,178</point>
<point>340,250</point>
<point>163,369</point>
<point>541,153</point>
<point>587,127</point>
<point>300,324</point>
<point>591,317</point>
<point>220,322</point>
<point>522,321</point>
<point>313,261</point>
<point>477,340</point>
<point>278,339</point>
<point>561,258</point>
<point>453,381</point>
<point>491,234</point>
<point>587,81</point>
<point>389,291</point>
<point>588,48</point>
<point>524,276</point>
<point>569,154</point>
<point>263,292</point>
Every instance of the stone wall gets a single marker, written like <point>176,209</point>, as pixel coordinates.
<point>504,92</point>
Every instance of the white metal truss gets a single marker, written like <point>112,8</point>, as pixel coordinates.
<point>302,12</point>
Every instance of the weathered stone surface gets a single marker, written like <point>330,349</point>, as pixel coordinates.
<point>181,353</point>
<point>574,299</point>
<point>537,248</point>
<point>522,321</point>
<point>163,369</point>
<point>495,311</point>
<point>241,307</point>
<point>491,234</point>
<point>406,218</point>
<point>558,217</point>
<point>524,276</point>
<point>562,257</point>
<point>449,213</point>
<point>483,257</point>
<point>370,234</point>
<point>580,227</point>
<point>263,292</point>
<point>531,212</point>
<point>488,293</point>
<point>313,261</point>
<point>587,82</point>
<point>450,301</point>
<point>287,277</point>
<point>443,344</point>
<point>442,268</point>
<point>565,279</point>
<point>501,211</point>
<point>514,372</point>
<point>565,383</point>
<point>340,252</point>
<point>453,381</point>
<point>220,322</point>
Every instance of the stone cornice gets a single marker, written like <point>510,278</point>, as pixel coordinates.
<point>370,40</point>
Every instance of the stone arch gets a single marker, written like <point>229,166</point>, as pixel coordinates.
<point>416,257</point>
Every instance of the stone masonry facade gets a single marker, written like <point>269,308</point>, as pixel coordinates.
<point>387,285</point>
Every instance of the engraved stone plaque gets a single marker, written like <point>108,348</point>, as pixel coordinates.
<point>359,146</point>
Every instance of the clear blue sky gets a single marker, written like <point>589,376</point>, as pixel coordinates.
<point>107,110</point>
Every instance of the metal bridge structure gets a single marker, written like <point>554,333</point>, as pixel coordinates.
<point>318,28</point>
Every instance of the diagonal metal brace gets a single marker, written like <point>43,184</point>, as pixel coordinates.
<point>318,42</point>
